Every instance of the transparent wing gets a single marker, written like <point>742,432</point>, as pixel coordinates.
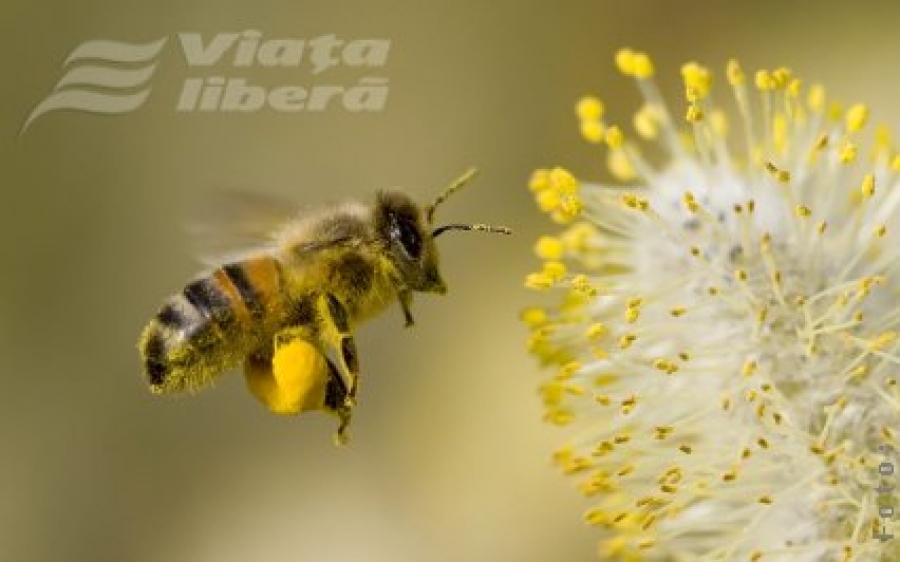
<point>233,223</point>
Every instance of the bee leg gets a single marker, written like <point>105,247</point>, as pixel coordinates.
<point>405,297</point>
<point>336,402</point>
<point>338,345</point>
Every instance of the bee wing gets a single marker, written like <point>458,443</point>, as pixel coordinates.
<point>233,223</point>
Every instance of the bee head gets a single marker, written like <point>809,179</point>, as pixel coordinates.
<point>409,232</point>
<point>400,225</point>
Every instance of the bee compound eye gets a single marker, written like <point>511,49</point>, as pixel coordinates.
<point>406,232</point>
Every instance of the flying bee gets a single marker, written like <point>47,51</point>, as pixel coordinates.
<point>286,312</point>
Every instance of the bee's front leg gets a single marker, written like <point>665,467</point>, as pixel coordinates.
<point>405,297</point>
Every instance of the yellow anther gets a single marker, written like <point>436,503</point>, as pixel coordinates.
<point>534,317</point>
<point>665,366</point>
<point>620,166</point>
<point>642,65</point>
<point>794,88</point>
<point>735,73</point>
<point>567,370</point>
<point>538,281</point>
<point>547,200</point>
<point>632,201</point>
<point>882,340</point>
<point>539,181</point>
<point>694,114</point>
<point>645,123</point>
<point>686,449</point>
<point>690,202</point>
<point>868,186</point>
<point>592,131</point>
<point>570,207</point>
<point>589,108</point>
<point>563,181</point>
<point>719,123</point>
<point>765,81</point>
<point>632,315</point>
<point>821,141</point>
<point>881,231</point>
<point>821,227</point>
<point>549,248</point>
<point>781,77</point>
<point>895,163</point>
<point>581,284</point>
<point>554,270</point>
<point>626,341</point>
<point>816,98</point>
<point>625,61</point>
<point>802,211</point>
<point>749,368</point>
<point>740,275</point>
<point>847,153</point>
<point>596,331</point>
<point>678,311</point>
<point>835,111</point>
<point>614,137</point>
<point>856,117</point>
<point>577,238</point>
<point>696,78</point>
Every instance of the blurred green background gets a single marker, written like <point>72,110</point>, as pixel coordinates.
<point>449,459</point>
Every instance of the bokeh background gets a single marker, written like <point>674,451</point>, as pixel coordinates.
<point>449,459</point>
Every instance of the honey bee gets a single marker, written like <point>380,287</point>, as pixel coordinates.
<point>286,312</point>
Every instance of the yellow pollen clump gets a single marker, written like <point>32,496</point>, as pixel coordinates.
<point>589,108</point>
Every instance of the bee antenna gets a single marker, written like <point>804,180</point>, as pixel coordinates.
<point>473,227</point>
<point>458,184</point>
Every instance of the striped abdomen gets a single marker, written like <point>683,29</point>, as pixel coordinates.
<point>211,325</point>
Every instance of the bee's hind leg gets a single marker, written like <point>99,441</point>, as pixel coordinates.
<point>336,402</point>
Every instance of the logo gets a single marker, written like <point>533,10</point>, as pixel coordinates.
<point>98,65</point>
<point>113,77</point>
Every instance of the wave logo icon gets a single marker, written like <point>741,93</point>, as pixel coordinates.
<point>107,77</point>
